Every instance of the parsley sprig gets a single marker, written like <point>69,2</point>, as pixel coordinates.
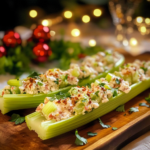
<point>120,108</point>
<point>57,81</point>
<point>133,109</point>
<point>34,75</point>
<point>103,125</point>
<point>117,81</point>
<point>17,119</point>
<point>144,104</point>
<point>79,140</point>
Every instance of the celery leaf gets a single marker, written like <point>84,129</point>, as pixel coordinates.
<point>79,140</point>
<point>120,108</point>
<point>103,125</point>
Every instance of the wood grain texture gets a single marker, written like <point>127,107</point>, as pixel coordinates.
<point>18,137</point>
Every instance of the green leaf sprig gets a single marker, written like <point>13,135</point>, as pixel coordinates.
<point>103,125</point>
<point>133,109</point>
<point>79,140</point>
<point>17,119</point>
<point>144,104</point>
<point>91,134</point>
<point>120,108</point>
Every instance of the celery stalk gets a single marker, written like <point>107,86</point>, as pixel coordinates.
<point>23,101</point>
<point>49,129</point>
<point>14,82</point>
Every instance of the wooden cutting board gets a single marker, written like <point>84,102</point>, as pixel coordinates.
<point>130,126</point>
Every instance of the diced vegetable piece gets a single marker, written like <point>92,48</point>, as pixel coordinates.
<point>109,77</point>
<point>75,73</point>
<point>14,82</point>
<point>47,129</point>
<point>48,108</point>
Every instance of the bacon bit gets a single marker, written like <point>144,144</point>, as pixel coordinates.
<point>3,93</point>
<point>65,101</point>
<point>32,80</point>
<point>86,108</point>
<point>39,107</point>
<point>30,85</point>
<point>46,100</point>
<point>60,112</point>
<point>90,102</point>
<point>103,88</point>
<point>78,86</point>
<point>58,101</point>
<point>79,95</point>
<point>12,88</point>
<point>83,89</point>
<point>50,116</point>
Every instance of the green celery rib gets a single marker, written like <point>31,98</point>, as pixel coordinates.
<point>23,101</point>
<point>14,82</point>
<point>48,129</point>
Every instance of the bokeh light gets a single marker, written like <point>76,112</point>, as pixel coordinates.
<point>97,12</point>
<point>85,18</point>
<point>139,19</point>
<point>67,14</point>
<point>133,42</point>
<point>33,13</point>
<point>92,42</point>
<point>75,32</point>
<point>45,22</point>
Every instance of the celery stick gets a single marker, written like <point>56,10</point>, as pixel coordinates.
<point>23,101</point>
<point>47,129</point>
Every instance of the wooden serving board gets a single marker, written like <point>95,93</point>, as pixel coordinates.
<point>130,126</point>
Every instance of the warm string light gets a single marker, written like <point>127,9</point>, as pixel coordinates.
<point>119,37</point>
<point>133,42</point>
<point>52,33</point>
<point>92,42</point>
<point>33,13</point>
<point>75,32</point>
<point>143,29</point>
<point>45,22</point>
<point>139,19</point>
<point>97,12</point>
<point>68,14</point>
<point>147,21</point>
<point>125,42</point>
<point>86,19</point>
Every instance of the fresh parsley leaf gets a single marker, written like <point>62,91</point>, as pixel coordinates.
<point>57,81</point>
<point>79,140</point>
<point>145,69</point>
<point>120,108</point>
<point>20,120</point>
<point>96,93</point>
<point>34,75</point>
<point>17,119</point>
<point>133,109</point>
<point>84,100</point>
<point>10,91</point>
<point>91,134</point>
<point>66,77</point>
<point>144,104</point>
<point>115,93</point>
<point>14,117</point>
<point>148,99</point>
<point>40,83</point>
<point>117,81</point>
<point>103,125</point>
<point>114,128</point>
<point>101,84</point>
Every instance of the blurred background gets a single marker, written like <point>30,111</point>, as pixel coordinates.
<point>52,33</point>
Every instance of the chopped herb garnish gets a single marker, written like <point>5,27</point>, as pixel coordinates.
<point>133,109</point>
<point>148,99</point>
<point>17,119</point>
<point>120,108</point>
<point>34,75</point>
<point>114,128</point>
<point>117,81</point>
<point>145,69</point>
<point>10,91</point>
<point>103,125</point>
<point>96,93</point>
<point>115,93</point>
<point>79,140</point>
<point>144,104</point>
<point>40,83</point>
<point>84,100</point>
<point>101,84</point>
<point>57,81</point>
<point>91,134</point>
<point>66,77</point>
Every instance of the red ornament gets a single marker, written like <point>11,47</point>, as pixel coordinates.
<point>2,51</point>
<point>42,51</point>
<point>81,55</point>
<point>11,39</point>
<point>41,34</point>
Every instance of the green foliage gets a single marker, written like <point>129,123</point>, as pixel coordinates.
<point>17,119</point>
<point>103,125</point>
<point>120,108</point>
<point>79,140</point>
<point>133,109</point>
<point>144,104</point>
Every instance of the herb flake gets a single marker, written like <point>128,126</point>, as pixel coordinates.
<point>34,75</point>
<point>144,104</point>
<point>96,93</point>
<point>91,134</point>
<point>57,81</point>
<point>114,128</point>
<point>120,108</point>
<point>117,81</point>
<point>103,125</point>
<point>145,69</point>
<point>40,83</point>
<point>148,99</point>
<point>101,84</point>
<point>79,140</point>
<point>115,93</point>
<point>133,109</point>
<point>17,119</point>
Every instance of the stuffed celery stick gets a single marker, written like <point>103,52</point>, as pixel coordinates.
<point>29,92</point>
<point>85,104</point>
